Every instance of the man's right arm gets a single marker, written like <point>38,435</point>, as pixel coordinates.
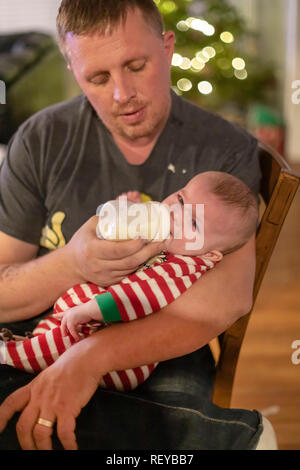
<point>30,285</point>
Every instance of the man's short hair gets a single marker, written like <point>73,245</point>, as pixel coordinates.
<point>90,16</point>
<point>235,194</point>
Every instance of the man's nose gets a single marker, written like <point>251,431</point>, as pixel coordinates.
<point>124,91</point>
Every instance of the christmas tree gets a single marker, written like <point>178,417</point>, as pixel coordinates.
<point>216,61</point>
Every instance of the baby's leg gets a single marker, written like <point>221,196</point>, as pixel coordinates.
<point>128,379</point>
<point>37,353</point>
<point>45,325</point>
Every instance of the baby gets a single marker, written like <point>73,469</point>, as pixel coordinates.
<point>230,218</point>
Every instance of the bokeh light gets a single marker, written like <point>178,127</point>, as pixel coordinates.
<point>177,59</point>
<point>238,63</point>
<point>205,87</point>
<point>209,52</point>
<point>227,37</point>
<point>197,64</point>
<point>168,6</point>
<point>185,64</point>
<point>202,57</point>
<point>182,26</point>
<point>184,84</point>
<point>241,74</point>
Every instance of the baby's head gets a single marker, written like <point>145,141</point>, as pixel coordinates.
<point>230,215</point>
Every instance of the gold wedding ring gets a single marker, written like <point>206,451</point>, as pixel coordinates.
<point>45,422</point>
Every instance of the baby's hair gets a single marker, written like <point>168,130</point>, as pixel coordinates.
<point>234,193</point>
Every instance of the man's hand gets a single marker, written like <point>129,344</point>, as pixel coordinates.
<point>132,196</point>
<point>57,394</point>
<point>106,262</point>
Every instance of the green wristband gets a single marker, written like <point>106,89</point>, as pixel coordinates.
<point>108,307</point>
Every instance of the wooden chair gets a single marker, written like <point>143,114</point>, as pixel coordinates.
<point>278,188</point>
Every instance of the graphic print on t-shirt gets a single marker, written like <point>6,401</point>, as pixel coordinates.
<point>52,237</point>
<point>145,197</point>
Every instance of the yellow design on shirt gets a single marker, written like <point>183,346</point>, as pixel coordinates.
<point>53,238</point>
<point>145,197</point>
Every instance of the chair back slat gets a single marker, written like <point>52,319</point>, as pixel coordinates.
<point>272,222</point>
<point>271,165</point>
<point>278,187</point>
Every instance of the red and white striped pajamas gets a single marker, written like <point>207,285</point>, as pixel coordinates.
<point>138,295</point>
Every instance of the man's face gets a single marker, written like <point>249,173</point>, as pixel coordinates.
<point>125,76</point>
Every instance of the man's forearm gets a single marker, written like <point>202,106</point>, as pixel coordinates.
<point>30,288</point>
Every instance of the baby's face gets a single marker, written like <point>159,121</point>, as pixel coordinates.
<point>210,223</point>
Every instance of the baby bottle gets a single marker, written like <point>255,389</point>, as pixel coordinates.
<point>123,220</point>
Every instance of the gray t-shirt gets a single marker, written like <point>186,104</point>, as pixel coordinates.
<point>62,163</point>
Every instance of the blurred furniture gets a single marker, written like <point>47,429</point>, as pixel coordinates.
<point>35,76</point>
<point>268,126</point>
<point>278,188</point>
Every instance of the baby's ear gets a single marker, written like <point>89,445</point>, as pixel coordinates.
<point>214,256</point>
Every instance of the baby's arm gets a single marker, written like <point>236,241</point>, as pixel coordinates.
<point>102,308</point>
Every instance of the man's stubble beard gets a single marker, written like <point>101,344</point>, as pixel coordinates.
<point>140,129</point>
<point>151,126</point>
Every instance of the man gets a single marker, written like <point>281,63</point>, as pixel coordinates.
<point>64,162</point>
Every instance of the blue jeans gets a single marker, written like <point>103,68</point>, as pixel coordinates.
<point>172,410</point>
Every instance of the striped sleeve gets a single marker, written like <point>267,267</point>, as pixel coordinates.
<point>148,291</point>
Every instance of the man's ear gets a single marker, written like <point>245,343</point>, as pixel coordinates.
<point>169,43</point>
<point>214,256</point>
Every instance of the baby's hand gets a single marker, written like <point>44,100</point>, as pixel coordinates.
<point>74,317</point>
<point>132,196</point>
